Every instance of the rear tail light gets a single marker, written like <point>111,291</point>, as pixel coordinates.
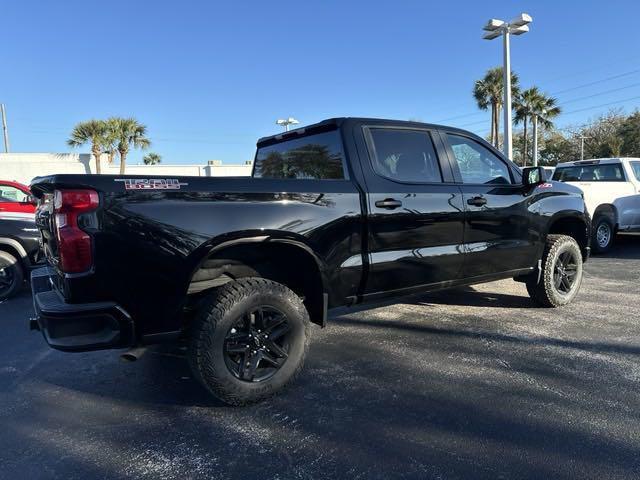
<point>75,246</point>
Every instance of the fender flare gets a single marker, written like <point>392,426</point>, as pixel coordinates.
<point>218,244</point>
<point>17,246</point>
<point>608,206</point>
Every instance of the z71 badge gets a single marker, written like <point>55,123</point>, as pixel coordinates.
<point>151,183</point>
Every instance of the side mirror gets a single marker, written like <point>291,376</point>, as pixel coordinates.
<point>533,176</point>
<point>31,200</point>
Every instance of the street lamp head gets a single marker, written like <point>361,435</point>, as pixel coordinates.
<point>519,30</point>
<point>492,35</point>
<point>521,20</point>
<point>287,121</point>
<point>493,24</point>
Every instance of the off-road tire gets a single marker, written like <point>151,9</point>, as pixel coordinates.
<point>545,293</point>
<point>602,221</point>
<point>218,314</point>
<point>10,262</point>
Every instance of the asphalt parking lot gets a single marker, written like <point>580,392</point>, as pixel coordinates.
<point>472,383</point>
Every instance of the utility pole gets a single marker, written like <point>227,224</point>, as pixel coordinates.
<point>582,139</point>
<point>5,132</point>
<point>535,140</point>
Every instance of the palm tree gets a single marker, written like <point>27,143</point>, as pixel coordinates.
<point>488,92</point>
<point>151,159</point>
<point>524,106</point>
<point>544,110</point>
<point>129,133</point>
<point>111,139</point>
<point>92,131</point>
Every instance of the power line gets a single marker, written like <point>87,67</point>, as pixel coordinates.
<point>596,82</point>
<point>603,105</point>
<point>631,60</point>
<point>600,93</point>
<point>602,80</point>
<point>570,101</point>
<point>581,72</point>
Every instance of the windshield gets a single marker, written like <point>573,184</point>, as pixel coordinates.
<point>318,156</point>
<point>609,172</point>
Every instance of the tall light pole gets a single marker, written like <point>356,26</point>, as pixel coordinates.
<point>285,122</point>
<point>5,132</point>
<point>534,118</point>
<point>494,29</point>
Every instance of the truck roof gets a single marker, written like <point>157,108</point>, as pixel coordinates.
<point>338,121</point>
<point>595,161</point>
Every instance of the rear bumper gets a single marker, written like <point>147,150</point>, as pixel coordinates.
<point>78,327</point>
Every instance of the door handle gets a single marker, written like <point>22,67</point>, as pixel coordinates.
<point>389,203</point>
<point>477,201</point>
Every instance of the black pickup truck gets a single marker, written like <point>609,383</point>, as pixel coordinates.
<point>340,213</point>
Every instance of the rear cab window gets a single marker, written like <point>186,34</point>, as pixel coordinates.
<point>604,172</point>
<point>404,155</point>
<point>318,156</point>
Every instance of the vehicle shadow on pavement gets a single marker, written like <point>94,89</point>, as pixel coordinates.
<point>593,347</point>
<point>470,297</point>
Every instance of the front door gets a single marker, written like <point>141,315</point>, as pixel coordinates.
<point>14,200</point>
<point>415,217</point>
<point>497,236</point>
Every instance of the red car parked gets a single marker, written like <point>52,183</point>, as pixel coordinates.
<point>15,198</point>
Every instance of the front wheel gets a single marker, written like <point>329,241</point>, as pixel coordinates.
<point>249,340</point>
<point>561,274</point>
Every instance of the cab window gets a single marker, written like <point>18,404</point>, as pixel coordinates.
<point>404,155</point>
<point>477,163</point>
<point>318,157</point>
<point>12,194</point>
<point>606,172</point>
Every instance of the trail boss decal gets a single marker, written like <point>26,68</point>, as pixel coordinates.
<point>151,183</point>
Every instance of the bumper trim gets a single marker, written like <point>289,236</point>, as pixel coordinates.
<point>78,327</point>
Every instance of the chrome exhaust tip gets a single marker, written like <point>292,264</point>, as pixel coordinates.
<point>133,355</point>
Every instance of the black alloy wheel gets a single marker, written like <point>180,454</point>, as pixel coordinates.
<point>565,272</point>
<point>257,344</point>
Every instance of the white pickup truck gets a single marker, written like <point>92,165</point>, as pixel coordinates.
<point>611,189</point>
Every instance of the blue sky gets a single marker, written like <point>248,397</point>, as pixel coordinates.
<point>209,78</point>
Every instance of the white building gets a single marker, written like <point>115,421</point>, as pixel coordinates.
<point>23,167</point>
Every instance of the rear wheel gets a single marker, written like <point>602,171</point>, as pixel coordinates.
<point>603,232</point>
<point>561,274</point>
<point>249,340</point>
<point>11,275</point>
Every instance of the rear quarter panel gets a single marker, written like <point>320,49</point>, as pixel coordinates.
<point>150,242</point>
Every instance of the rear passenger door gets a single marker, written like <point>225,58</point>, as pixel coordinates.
<point>497,237</point>
<point>415,212</point>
